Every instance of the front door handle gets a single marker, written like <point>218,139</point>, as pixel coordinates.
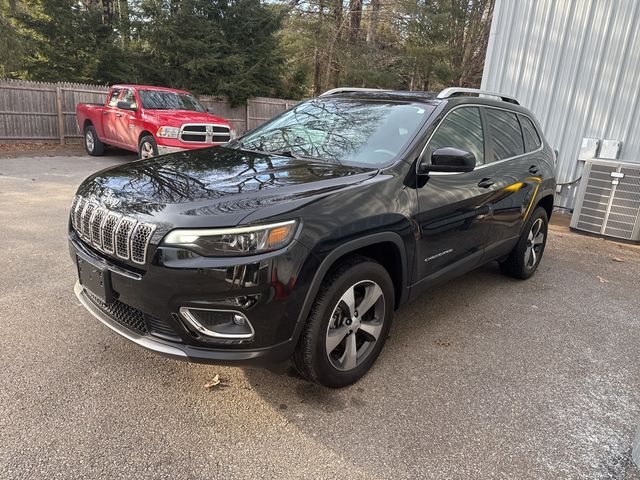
<point>533,169</point>
<point>486,182</point>
<point>118,114</point>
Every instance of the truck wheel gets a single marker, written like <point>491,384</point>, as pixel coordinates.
<point>348,324</point>
<point>92,143</point>
<point>147,147</point>
<point>524,259</point>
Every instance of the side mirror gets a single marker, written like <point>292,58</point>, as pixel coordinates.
<point>211,110</point>
<point>126,106</point>
<point>448,159</point>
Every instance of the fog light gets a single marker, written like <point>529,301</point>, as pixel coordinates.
<point>227,324</point>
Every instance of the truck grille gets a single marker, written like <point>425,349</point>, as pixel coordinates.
<point>205,133</point>
<point>111,232</point>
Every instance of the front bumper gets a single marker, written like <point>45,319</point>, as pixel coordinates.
<point>164,150</point>
<point>158,293</point>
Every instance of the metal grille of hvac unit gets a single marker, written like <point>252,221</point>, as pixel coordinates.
<point>608,201</point>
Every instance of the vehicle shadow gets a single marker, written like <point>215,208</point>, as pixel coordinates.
<point>392,403</point>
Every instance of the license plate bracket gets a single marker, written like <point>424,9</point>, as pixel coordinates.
<point>95,279</point>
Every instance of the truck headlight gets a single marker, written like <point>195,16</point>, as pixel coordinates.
<point>168,132</point>
<point>232,242</point>
<point>233,134</point>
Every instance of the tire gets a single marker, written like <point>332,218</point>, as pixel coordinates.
<point>523,261</point>
<point>147,147</point>
<point>92,143</point>
<point>321,355</point>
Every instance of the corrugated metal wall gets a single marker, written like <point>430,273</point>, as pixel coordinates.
<point>576,65</point>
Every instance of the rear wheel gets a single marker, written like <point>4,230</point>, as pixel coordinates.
<point>92,143</point>
<point>348,324</point>
<point>148,147</point>
<point>526,255</point>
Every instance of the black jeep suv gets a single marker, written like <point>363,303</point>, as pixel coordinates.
<point>298,240</point>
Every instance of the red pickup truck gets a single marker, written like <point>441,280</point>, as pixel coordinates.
<point>151,121</point>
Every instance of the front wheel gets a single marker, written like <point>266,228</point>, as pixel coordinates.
<point>348,324</point>
<point>148,147</point>
<point>526,255</point>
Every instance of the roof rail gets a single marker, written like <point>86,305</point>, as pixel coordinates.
<point>335,91</point>
<point>458,91</point>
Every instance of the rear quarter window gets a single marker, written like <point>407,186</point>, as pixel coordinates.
<point>506,135</point>
<point>530,133</point>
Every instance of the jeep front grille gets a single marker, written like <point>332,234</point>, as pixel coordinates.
<point>204,133</point>
<point>111,232</point>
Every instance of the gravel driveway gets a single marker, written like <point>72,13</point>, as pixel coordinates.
<point>486,377</point>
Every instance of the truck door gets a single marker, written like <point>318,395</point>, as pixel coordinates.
<point>125,121</point>
<point>109,117</point>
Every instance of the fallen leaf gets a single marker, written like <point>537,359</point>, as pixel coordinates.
<point>616,259</point>
<point>213,383</point>
<point>602,280</point>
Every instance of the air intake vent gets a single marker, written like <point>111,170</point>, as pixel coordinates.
<point>608,200</point>
<point>111,232</point>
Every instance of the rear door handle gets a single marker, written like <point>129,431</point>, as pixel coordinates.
<point>486,182</point>
<point>533,169</point>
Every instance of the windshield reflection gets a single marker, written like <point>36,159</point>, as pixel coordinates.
<point>371,132</point>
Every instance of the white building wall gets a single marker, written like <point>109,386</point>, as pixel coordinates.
<point>576,65</point>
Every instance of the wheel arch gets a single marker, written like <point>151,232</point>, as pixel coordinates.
<point>387,248</point>
<point>144,133</point>
<point>87,123</point>
<point>546,202</point>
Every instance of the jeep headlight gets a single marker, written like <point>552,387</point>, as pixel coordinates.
<point>231,242</point>
<point>168,132</point>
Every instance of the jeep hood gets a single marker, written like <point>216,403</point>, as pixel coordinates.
<point>215,186</point>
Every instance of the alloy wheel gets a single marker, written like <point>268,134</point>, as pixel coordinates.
<point>355,325</point>
<point>89,140</point>
<point>146,150</point>
<point>535,241</point>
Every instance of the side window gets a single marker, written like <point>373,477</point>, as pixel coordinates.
<point>462,129</point>
<point>128,96</point>
<point>505,133</point>
<point>531,138</point>
<point>113,100</point>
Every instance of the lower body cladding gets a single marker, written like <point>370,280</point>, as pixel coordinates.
<point>234,311</point>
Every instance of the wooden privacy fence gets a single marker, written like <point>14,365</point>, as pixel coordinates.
<point>46,112</point>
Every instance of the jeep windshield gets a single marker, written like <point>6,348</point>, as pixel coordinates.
<point>339,130</point>
<point>163,100</point>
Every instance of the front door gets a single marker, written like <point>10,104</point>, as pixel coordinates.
<point>110,117</point>
<point>125,121</point>
<point>453,208</point>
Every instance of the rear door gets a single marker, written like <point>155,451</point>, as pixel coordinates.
<point>452,207</point>
<point>513,167</point>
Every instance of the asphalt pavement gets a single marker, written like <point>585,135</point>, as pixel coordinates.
<point>484,377</point>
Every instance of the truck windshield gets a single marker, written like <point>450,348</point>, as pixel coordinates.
<point>363,131</point>
<point>161,100</point>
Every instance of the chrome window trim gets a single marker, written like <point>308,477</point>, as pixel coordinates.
<point>479,167</point>
<point>188,316</point>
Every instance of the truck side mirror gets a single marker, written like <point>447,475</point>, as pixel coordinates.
<point>448,159</point>
<point>211,110</point>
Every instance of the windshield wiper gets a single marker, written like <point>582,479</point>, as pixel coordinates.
<point>297,156</point>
